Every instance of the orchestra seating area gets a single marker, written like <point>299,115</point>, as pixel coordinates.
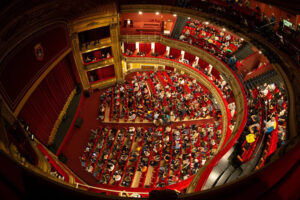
<point>159,97</point>
<point>189,60</point>
<point>160,139</point>
<point>149,157</point>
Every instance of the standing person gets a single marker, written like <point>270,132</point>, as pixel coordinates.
<point>232,62</point>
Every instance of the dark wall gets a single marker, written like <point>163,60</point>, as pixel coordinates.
<point>21,68</point>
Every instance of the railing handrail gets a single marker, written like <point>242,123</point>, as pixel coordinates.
<point>108,190</point>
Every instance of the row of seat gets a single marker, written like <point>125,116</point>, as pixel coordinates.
<point>267,118</point>
<point>149,157</point>
<point>155,92</point>
<point>211,73</point>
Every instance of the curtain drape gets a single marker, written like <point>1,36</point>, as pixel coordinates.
<point>145,47</point>
<point>44,105</point>
<point>189,57</point>
<point>129,46</point>
<point>160,48</point>
<point>175,52</point>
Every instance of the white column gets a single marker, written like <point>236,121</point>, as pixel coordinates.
<point>182,54</point>
<point>197,60</point>
<point>168,50</point>
<point>153,47</point>
<point>137,46</point>
<point>122,47</point>
<point>209,68</point>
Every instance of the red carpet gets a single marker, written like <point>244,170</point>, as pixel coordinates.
<point>79,137</point>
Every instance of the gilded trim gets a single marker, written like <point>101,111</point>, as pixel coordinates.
<point>100,64</point>
<point>104,84</point>
<point>60,117</point>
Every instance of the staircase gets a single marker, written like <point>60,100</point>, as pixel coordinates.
<point>227,171</point>
<point>178,27</point>
<point>258,71</point>
<point>270,76</point>
<point>244,52</point>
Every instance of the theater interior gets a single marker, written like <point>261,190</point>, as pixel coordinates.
<point>173,99</point>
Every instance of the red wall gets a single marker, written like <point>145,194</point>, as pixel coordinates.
<point>269,9</point>
<point>21,68</point>
<point>250,63</point>
<point>106,72</point>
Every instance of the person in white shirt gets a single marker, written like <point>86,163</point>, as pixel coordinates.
<point>182,37</point>
<point>232,108</point>
<point>187,32</point>
<point>271,87</point>
<point>228,37</point>
<point>270,125</point>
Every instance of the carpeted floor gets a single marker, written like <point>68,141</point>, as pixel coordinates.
<point>79,137</point>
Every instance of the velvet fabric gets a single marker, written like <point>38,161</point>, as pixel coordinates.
<point>45,104</point>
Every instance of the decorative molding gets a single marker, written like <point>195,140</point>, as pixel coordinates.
<point>100,64</point>
<point>60,117</point>
<point>104,83</point>
<point>103,43</point>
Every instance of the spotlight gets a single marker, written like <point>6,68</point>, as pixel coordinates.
<point>260,52</point>
<point>140,12</point>
<point>175,15</point>
<point>242,39</point>
<point>224,29</point>
<point>188,18</point>
<point>206,23</point>
<point>157,13</point>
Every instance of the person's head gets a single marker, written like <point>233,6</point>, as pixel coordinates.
<point>272,119</point>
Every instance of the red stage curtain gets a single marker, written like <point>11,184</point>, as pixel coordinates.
<point>129,46</point>
<point>175,52</point>
<point>160,48</point>
<point>45,104</point>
